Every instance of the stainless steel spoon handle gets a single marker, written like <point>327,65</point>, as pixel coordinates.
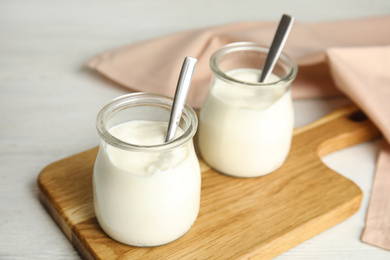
<point>278,42</point>
<point>179,100</point>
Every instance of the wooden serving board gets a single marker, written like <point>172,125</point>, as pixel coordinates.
<point>239,218</point>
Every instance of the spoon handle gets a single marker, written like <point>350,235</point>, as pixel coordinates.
<point>183,85</point>
<point>278,42</point>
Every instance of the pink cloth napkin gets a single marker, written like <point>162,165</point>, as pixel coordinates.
<point>344,57</point>
<point>363,75</point>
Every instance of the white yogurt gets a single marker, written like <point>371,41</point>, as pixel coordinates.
<point>146,198</point>
<point>245,133</point>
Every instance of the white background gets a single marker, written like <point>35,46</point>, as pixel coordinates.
<point>49,102</point>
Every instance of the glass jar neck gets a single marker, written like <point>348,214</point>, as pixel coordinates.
<point>143,106</point>
<point>248,55</point>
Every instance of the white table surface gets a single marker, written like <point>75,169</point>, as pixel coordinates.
<point>49,101</point>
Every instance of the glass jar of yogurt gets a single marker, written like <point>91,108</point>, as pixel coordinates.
<point>245,127</point>
<point>146,191</point>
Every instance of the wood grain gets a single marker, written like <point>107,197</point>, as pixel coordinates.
<point>239,218</point>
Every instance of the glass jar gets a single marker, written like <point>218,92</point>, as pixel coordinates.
<point>245,127</point>
<point>145,195</point>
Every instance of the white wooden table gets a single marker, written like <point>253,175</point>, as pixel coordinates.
<point>49,101</point>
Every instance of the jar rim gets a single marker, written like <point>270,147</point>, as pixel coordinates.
<point>239,46</point>
<point>132,99</point>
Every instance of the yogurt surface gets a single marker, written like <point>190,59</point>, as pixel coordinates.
<point>146,198</point>
<point>243,132</point>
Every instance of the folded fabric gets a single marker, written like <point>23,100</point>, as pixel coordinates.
<point>376,232</point>
<point>334,58</point>
<point>154,65</point>
<point>363,75</point>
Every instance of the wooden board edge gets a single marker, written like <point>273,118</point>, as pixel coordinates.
<point>82,248</point>
<point>307,230</point>
<point>61,223</point>
<point>338,113</point>
<point>55,215</point>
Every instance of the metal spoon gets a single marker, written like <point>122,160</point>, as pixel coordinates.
<point>183,85</point>
<point>278,42</point>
